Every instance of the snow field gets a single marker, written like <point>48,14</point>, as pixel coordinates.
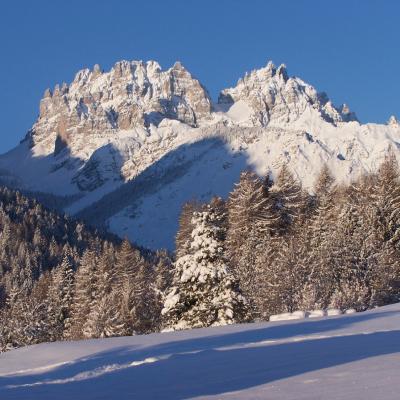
<point>342,357</point>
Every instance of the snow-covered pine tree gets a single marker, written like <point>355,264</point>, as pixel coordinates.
<point>316,237</point>
<point>380,210</point>
<point>137,297</point>
<point>290,198</point>
<point>386,199</point>
<point>144,306</point>
<point>127,259</point>
<point>252,220</point>
<point>60,297</point>
<point>204,292</point>
<point>183,239</point>
<point>105,319</point>
<point>25,321</point>
<point>25,324</point>
<point>84,295</point>
<point>352,260</point>
<point>284,276</point>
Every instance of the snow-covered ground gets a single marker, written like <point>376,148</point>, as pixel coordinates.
<point>354,356</point>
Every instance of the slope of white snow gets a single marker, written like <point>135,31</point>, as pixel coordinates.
<point>353,356</point>
<point>131,145</point>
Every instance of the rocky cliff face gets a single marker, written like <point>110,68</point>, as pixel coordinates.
<point>126,148</point>
<point>132,94</point>
<point>274,97</point>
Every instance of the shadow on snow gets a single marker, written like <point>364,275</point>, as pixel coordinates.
<point>197,367</point>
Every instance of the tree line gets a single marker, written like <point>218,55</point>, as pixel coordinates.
<point>270,247</point>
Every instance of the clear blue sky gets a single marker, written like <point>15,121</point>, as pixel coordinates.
<point>348,48</point>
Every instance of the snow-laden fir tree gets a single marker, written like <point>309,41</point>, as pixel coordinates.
<point>386,199</point>
<point>60,296</point>
<point>353,249</point>
<point>316,237</point>
<point>25,324</point>
<point>134,289</point>
<point>84,296</point>
<point>104,318</point>
<point>204,292</point>
<point>283,277</point>
<point>182,240</point>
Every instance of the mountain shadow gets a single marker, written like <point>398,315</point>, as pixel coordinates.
<point>149,205</point>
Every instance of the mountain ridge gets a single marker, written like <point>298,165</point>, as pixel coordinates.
<point>137,121</point>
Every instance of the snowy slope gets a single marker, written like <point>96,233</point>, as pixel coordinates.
<point>131,145</point>
<point>344,357</point>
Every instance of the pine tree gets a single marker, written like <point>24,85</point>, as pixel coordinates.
<point>84,295</point>
<point>284,277</point>
<point>352,261</point>
<point>316,237</point>
<point>105,319</point>
<point>144,309</point>
<point>138,299</point>
<point>182,240</point>
<point>204,292</point>
<point>252,221</point>
<point>60,297</point>
<point>386,198</point>
<point>290,199</point>
<point>127,259</point>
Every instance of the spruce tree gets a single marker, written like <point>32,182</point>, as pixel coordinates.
<point>316,237</point>
<point>84,295</point>
<point>60,298</point>
<point>105,319</point>
<point>204,292</point>
<point>182,240</point>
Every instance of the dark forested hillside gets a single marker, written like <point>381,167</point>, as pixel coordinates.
<point>59,279</point>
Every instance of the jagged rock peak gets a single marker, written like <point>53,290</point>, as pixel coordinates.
<point>131,94</point>
<point>96,68</point>
<point>346,114</point>
<point>267,72</point>
<point>47,93</point>
<point>274,96</point>
<point>282,72</point>
<point>393,121</point>
<point>178,66</point>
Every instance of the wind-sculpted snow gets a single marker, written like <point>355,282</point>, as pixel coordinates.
<point>98,135</point>
<point>341,357</point>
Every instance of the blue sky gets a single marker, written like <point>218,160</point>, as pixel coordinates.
<point>348,48</point>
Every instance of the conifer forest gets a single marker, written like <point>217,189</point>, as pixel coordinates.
<point>270,247</point>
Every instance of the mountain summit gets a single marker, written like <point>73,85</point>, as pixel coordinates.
<point>274,97</point>
<point>126,148</point>
<point>131,94</point>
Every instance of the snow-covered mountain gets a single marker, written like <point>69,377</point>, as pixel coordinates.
<point>345,357</point>
<point>128,147</point>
